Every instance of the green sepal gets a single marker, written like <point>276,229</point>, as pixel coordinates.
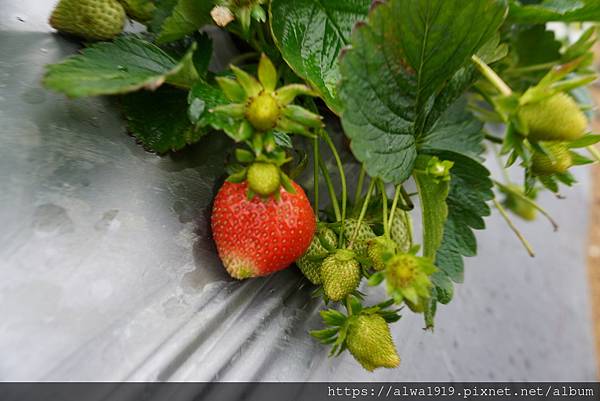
<point>231,89</point>
<point>293,127</point>
<point>269,143</point>
<point>333,317</point>
<point>245,131</point>
<point>376,279</point>
<point>259,14</point>
<point>238,177</point>
<point>256,143</point>
<point>580,160</point>
<point>267,74</point>
<point>286,94</point>
<point>251,86</point>
<point>250,194</point>
<point>233,110</point>
<point>585,141</point>
<point>287,183</point>
<point>244,156</point>
<point>301,115</point>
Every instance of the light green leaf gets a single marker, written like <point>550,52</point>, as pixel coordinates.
<point>434,211</point>
<point>310,35</point>
<point>108,68</point>
<point>158,119</point>
<point>175,19</point>
<point>402,64</point>
<point>555,10</point>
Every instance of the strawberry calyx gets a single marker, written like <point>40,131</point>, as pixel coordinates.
<point>363,331</point>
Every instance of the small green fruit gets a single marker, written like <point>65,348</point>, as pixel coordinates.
<point>400,230</point>
<point>370,342</point>
<point>307,264</point>
<point>139,10</point>
<point>89,19</point>
<point>340,273</point>
<point>561,160</point>
<point>557,118</point>
<point>360,244</point>
<point>263,178</point>
<point>378,249</point>
<point>263,112</point>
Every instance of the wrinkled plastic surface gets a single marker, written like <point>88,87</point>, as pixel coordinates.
<point>107,270</point>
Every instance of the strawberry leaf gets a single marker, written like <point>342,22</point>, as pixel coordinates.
<point>125,65</point>
<point>555,10</point>
<point>158,119</point>
<point>408,64</point>
<point>310,35</point>
<point>175,19</point>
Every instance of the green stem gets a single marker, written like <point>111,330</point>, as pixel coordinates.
<point>340,167</point>
<point>407,203</point>
<point>491,76</point>
<point>514,228</point>
<point>384,199</point>
<point>359,185</point>
<point>238,60</point>
<point>348,307</point>
<point>494,139</point>
<point>529,201</point>
<point>394,204</point>
<point>334,200</point>
<point>531,68</point>
<point>316,175</point>
<point>363,211</point>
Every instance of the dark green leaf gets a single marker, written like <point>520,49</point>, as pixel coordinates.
<point>457,131</point>
<point>175,19</point>
<point>158,119</point>
<point>555,10</point>
<point>310,35</point>
<point>108,68</point>
<point>400,64</point>
<point>536,45</point>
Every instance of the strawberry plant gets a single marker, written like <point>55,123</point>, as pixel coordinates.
<point>423,91</point>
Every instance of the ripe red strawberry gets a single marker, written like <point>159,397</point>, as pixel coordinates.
<point>260,236</point>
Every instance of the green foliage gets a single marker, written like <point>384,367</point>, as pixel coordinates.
<point>555,10</point>
<point>400,64</point>
<point>175,19</point>
<point>125,65</point>
<point>310,35</point>
<point>159,119</point>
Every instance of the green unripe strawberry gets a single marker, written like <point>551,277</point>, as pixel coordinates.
<point>360,244</point>
<point>309,263</point>
<point>518,206</point>
<point>263,178</point>
<point>139,10</point>
<point>341,275</point>
<point>561,160</point>
<point>370,342</point>
<point>407,278</point>
<point>263,111</point>
<point>380,249</point>
<point>89,19</point>
<point>400,230</point>
<point>557,118</point>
